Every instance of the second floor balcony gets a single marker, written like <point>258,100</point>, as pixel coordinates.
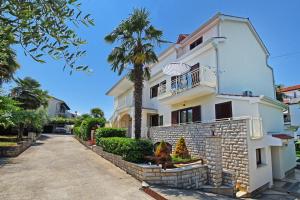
<point>198,82</point>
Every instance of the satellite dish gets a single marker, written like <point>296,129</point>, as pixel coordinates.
<point>176,69</point>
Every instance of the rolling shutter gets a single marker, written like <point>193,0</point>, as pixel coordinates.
<point>196,114</point>
<point>174,116</point>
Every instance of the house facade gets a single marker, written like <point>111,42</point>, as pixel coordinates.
<point>58,108</point>
<point>229,79</point>
<point>291,97</point>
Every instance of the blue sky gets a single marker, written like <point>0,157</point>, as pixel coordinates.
<point>277,22</point>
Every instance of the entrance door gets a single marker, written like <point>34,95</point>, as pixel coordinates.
<point>154,120</point>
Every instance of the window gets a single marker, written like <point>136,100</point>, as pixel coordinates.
<point>196,43</point>
<point>154,91</point>
<point>158,89</point>
<point>223,110</point>
<point>187,115</point>
<point>162,87</point>
<point>174,117</point>
<point>258,157</point>
<point>295,94</point>
<point>154,120</point>
<point>161,120</point>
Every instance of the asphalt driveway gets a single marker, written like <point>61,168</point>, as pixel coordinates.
<point>59,167</point>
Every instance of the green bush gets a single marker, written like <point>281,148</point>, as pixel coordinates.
<point>77,131</point>
<point>111,132</point>
<point>131,150</point>
<point>87,125</point>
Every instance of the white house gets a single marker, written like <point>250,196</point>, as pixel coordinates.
<point>292,99</point>
<point>229,78</point>
<point>58,108</point>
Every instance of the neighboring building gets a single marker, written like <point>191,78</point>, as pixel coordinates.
<point>58,108</point>
<point>292,99</point>
<point>229,79</point>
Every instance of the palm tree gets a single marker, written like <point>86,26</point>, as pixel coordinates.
<point>97,112</point>
<point>8,66</point>
<point>29,93</point>
<point>136,39</point>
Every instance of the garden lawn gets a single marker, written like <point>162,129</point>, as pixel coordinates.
<point>7,144</point>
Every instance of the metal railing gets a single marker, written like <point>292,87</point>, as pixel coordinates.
<point>162,89</point>
<point>200,76</point>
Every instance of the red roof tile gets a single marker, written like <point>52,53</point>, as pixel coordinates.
<point>283,136</point>
<point>286,89</point>
<point>181,37</point>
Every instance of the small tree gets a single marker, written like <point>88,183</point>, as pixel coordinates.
<point>97,112</point>
<point>181,150</point>
<point>162,154</point>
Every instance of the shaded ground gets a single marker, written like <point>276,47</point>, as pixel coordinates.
<point>286,189</point>
<point>59,167</point>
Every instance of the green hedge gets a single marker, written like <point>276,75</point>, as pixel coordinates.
<point>77,131</point>
<point>131,150</point>
<point>111,132</point>
<point>87,125</point>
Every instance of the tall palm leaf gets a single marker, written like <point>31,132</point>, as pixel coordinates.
<point>136,39</point>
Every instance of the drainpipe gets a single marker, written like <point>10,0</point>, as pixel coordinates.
<point>215,45</point>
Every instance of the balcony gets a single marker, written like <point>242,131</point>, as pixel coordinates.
<point>193,84</point>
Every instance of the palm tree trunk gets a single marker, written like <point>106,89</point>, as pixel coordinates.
<point>138,99</point>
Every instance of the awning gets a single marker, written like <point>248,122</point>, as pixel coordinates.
<point>282,136</point>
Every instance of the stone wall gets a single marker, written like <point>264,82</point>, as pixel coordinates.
<point>233,135</point>
<point>228,178</point>
<point>14,151</point>
<point>189,177</point>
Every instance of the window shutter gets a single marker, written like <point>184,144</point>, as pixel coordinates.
<point>196,114</point>
<point>223,110</point>
<point>174,117</point>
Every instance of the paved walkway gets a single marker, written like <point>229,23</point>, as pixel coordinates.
<point>59,167</point>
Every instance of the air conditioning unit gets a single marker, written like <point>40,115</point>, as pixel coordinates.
<point>247,93</point>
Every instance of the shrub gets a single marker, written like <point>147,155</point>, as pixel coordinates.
<point>111,132</point>
<point>77,131</point>
<point>87,125</point>
<point>131,150</point>
<point>162,154</point>
<point>181,150</point>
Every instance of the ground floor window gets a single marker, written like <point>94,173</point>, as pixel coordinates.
<point>223,110</point>
<point>186,115</point>
<point>260,157</point>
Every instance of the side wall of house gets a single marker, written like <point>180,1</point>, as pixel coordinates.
<point>52,107</point>
<point>242,61</point>
<point>272,118</point>
<point>295,114</point>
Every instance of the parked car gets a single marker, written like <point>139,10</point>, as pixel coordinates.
<point>60,130</point>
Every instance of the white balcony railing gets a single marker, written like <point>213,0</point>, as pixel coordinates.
<point>124,101</point>
<point>200,76</point>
